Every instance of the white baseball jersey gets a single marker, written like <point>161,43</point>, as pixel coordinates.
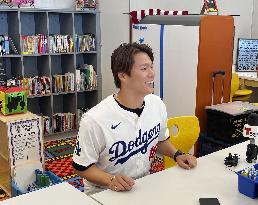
<point>118,141</point>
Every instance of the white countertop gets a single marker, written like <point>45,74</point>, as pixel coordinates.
<point>248,76</point>
<point>211,178</point>
<point>59,194</point>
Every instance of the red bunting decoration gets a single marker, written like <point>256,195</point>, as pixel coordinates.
<point>137,16</point>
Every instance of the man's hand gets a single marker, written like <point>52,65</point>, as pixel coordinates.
<point>186,161</point>
<point>121,183</point>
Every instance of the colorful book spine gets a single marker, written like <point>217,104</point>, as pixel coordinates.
<point>35,44</point>
<point>64,121</point>
<point>63,83</point>
<point>85,43</point>
<point>86,78</point>
<point>60,44</point>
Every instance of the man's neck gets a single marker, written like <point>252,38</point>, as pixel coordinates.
<point>129,100</point>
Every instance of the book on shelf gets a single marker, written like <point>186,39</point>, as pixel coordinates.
<point>47,125</point>
<point>63,122</point>
<point>84,43</point>
<point>63,83</point>
<point>7,46</point>
<point>8,3</point>
<point>86,78</point>
<point>37,85</point>
<point>60,44</point>
<point>34,85</point>
<point>3,77</point>
<point>35,44</point>
<point>86,4</point>
<point>15,82</point>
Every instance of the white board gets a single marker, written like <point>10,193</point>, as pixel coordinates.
<point>25,141</point>
<point>180,69</point>
<point>180,59</point>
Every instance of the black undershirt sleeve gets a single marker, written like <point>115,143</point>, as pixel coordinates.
<point>81,168</point>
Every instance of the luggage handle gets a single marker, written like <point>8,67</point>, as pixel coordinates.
<point>214,74</point>
<point>220,72</point>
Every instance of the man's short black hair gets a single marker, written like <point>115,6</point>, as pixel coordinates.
<point>122,58</point>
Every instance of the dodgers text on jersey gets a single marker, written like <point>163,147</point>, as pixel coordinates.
<point>121,151</point>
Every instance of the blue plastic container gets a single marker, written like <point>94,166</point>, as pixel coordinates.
<point>16,190</point>
<point>248,186</point>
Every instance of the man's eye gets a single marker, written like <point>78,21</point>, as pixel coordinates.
<point>144,68</point>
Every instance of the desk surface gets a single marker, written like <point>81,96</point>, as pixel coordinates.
<point>210,178</point>
<point>63,194</point>
<point>248,76</point>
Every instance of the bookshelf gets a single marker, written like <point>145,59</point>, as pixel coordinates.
<point>17,23</point>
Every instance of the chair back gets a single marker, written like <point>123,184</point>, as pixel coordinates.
<point>234,85</point>
<point>188,130</point>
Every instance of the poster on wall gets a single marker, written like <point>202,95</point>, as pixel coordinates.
<point>247,58</point>
<point>25,141</point>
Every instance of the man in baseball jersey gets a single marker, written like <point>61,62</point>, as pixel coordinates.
<point>119,137</point>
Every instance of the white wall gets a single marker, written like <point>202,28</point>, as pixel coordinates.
<point>243,23</point>
<point>244,8</point>
<point>115,25</point>
<point>255,21</point>
<point>114,31</point>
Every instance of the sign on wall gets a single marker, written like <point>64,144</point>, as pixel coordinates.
<point>25,141</point>
<point>247,54</point>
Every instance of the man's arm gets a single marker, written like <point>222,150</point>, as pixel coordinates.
<point>101,178</point>
<point>166,148</point>
<point>185,161</point>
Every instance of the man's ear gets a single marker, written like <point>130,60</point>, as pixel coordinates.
<point>121,76</point>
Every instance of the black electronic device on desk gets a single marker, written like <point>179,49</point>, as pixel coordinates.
<point>226,121</point>
<point>209,201</point>
<point>231,160</point>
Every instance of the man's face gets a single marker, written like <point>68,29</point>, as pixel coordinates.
<point>142,75</point>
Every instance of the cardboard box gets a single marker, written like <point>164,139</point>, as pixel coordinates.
<point>13,151</point>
